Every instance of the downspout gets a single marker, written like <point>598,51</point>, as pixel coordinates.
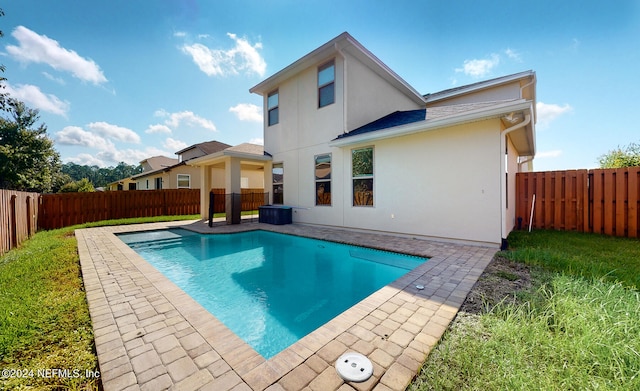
<point>344,88</point>
<point>344,107</point>
<point>527,160</point>
<point>533,80</point>
<point>503,184</point>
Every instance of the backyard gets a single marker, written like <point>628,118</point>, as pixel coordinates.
<point>558,310</point>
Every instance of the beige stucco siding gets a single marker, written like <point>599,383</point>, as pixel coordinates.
<point>371,97</point>
<point>301,122</point>
<point>442,183</point>
<point>170,180</point>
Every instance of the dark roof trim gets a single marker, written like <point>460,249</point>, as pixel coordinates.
<point>394,119</point>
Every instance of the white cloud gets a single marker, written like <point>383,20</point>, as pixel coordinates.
<point>58,80</point>
<point>479,68</point>
<point>180,34</point>
<point>130,156</point>
<point>157,128</point>
<point>247,112</point>
<point>512,54</point>
<point>174,145</point>
<point>217,62</point>
<point>549,112</point>
<point>548,154</point>
<point>42,49</point>
<point>114,132</point>
<point>35,98</point>
<point>258,140</point>
<point>74,135</point>
<point>87,159</point>
<point>175,120</point>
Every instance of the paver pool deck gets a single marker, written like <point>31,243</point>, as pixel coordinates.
<point>150,335</point>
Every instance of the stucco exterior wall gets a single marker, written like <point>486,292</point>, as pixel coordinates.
<point>371,97</point>
<point>442,184</point>
<point>170,180</point>
<point>301,122</point>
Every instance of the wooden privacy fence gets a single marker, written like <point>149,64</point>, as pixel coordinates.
<point>604,201</point>
<point>18,212</point>
<point>62,210</point>
<point>251,199</point>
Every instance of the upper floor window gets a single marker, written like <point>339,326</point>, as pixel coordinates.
<point>272,108</point>
<point>326,84</point>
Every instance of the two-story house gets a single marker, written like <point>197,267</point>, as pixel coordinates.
<point>354,145</point>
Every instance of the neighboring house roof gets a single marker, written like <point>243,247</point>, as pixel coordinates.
<point>158,162</point>
<point>340,44</point>
<point>120,181</point>
<point>207,147</point>
<point>245,150</point>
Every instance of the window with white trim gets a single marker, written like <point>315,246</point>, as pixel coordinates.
<point>278,183</point>
<point>362,176</point>
<point>273,108</point>
<point>184,181</point>
<point>323,179</point>
<point>326,84</point>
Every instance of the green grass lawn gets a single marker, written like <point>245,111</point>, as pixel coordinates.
<point>578,327</point>
<point>44,318</point>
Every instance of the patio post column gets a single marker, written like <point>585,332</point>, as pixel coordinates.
<point>268,180</point>
<point>205,188</point>
<point>232,183</point>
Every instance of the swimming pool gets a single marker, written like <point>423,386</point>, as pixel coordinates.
<point>270,289</point>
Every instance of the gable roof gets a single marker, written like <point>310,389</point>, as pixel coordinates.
<point>340,44</point>
<point>206,147</point>
<point>158,162</point>
<point>469,88</point>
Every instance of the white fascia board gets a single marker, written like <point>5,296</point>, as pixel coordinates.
<point>433,124</point>
<point>202,160</point>
<point>218,157</point>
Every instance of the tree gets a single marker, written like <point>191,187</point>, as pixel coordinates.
<point>100,176</point>
<point>83,185</point>
<point>28,160</point>
<point>3,95</point>
<point>617,158</point>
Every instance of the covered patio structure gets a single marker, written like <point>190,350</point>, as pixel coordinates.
<point>242,166</point>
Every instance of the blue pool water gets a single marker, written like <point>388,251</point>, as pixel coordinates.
<point>270,289</point>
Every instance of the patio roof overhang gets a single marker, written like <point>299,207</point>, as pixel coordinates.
<point>219,157</point>
<point>523,139</point>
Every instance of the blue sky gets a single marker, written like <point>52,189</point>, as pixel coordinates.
<point>124,80</point>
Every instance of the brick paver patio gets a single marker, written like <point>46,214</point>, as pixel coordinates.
<point>150,335</point>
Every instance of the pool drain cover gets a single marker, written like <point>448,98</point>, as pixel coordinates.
<point>354,367</point>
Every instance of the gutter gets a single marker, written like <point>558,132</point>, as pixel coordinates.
<point>503,180</point>
<point>432,124</point>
